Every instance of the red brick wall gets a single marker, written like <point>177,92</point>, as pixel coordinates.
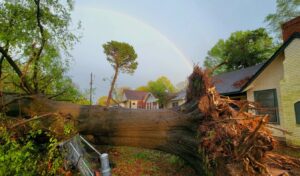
<point>141,104</point>
<point>290,27</point>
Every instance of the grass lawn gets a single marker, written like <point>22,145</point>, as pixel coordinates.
<point>130,161</point>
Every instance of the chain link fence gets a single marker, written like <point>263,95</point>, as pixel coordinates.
<point>82,155</point>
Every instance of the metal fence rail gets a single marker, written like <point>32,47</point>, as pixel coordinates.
<point>79,153</point>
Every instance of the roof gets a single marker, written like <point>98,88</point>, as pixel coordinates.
<point>233,81</point>
<point>236,81</point>
<point>179,95</point>
<point>135,95</point>
<point>280,50</point>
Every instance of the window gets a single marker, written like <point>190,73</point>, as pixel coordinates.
<point>175,104</point>
<point>297,111</point>
<point>267,100</point>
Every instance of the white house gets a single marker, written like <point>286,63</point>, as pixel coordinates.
<point>134,99</point>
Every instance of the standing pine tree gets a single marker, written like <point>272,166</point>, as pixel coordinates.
<point>122,57</point>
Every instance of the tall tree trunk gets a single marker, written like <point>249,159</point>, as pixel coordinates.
<point>35,76</point>
<point>112,86</point>
<point>36,66</point>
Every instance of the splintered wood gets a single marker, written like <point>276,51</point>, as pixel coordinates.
<point>229,132</point>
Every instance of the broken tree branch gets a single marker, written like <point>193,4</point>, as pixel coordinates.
<point>32,119</point>
<point>16,69</point>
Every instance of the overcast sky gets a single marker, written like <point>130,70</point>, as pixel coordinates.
<point>169,36</point>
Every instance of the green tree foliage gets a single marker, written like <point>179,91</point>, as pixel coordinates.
<point>70,92</point>
<point>102,101</point>
<point>161,88</point>
<point>142,88</point>
<point>35,35</point>
<point>35,40</point>
<point>25,156</point>
<point>122,57</point>
<point>285,11</point>
<point>117,95</point>
<point>242,49</point>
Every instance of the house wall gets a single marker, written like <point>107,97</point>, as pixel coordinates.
<point>270,79</point>
<point>134,104</point>
<point>126,104</point>
<point>151,98</point>
<point>290,91</point>
<point>152,105</point>
<point>153,101</point>
<point>180,102</point>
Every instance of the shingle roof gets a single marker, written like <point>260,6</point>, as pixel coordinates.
<point>237,81</point>
<point>135,95</point>
<point>180,95</point>
<point>233,81</point>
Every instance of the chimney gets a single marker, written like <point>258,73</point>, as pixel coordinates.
<point>290,27</point>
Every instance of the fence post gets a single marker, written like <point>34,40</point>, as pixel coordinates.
<point>105,169</point>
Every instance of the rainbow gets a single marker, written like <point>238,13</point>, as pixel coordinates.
<point>181,55</point>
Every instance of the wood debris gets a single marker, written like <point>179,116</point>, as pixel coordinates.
<point>230,132</point>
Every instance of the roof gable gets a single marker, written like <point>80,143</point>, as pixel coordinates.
<point>275,55</point>
<point>150,98</point>
<point>135,95</point>
<point>180,95</point>
<point>237,81</point>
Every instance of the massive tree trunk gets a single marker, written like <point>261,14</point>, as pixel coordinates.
<point>206,131</point>
<point>167,130</point>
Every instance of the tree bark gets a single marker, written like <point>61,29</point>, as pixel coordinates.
<point>37,58</point>
<point>2,58</point>
<point>165,130</point>
<point>16,68</point>
<point>218,140</point>
<point>112,87</point>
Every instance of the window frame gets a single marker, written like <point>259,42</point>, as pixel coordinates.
<point>255,93</point>
<point>295,108</point>
<point>175,104</point>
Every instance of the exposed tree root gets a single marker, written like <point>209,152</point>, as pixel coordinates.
<point>231,135</point>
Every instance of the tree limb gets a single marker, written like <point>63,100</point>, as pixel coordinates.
<point>32,119</point>
<point>40,50</point>
<point>16,69</point>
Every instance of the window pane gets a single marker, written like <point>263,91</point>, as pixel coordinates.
<point>297,111</point>
<point>175,104</point>
<point>267,100</point>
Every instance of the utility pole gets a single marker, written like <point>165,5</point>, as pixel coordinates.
<point>91,89</point>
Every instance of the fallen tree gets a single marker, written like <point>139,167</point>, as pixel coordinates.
<point>207,132</point>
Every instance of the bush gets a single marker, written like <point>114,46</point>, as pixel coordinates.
<point>25,156</point>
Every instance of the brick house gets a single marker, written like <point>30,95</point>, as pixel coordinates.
<point>274,84</point>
